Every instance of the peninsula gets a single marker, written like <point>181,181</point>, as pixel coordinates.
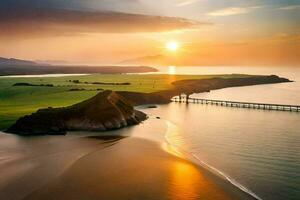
<point>191,86</point>
<point>110,110</point>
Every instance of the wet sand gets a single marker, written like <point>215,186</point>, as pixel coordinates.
<point>114,168</point>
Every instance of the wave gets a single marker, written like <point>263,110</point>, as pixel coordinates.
<point>172,128</point>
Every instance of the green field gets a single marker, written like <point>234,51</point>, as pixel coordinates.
<point>17,101</point>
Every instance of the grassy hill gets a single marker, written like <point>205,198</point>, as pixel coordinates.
<point>19,101</point>
<point>105,111</point>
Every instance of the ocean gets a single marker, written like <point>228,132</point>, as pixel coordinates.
<point>256,150</point>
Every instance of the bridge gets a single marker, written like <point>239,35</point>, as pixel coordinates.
<point>237,104</point>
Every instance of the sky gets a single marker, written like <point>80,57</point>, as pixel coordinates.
<point>101,32</point>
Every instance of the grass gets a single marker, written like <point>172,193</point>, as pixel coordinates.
<point>22,100</point>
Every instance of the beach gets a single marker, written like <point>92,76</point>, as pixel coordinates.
<point>105,167</point>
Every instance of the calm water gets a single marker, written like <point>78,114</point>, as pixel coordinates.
<point>258,151</point>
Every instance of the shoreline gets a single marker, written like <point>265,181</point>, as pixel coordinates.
<point>177,151</point>
<point>83,162</point>
<point>167,146</point>
<point>205,165</point>
<point>111,167</point>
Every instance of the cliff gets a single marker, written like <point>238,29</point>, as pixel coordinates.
<point>105,111</point>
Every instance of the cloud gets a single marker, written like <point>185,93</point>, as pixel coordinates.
<point>186,2</point>
<point>286,37</point>
<point>32,21</point>
<point>291,7</point>
<point>233,11</point>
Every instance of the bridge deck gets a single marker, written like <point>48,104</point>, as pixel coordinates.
<point>264,106</point>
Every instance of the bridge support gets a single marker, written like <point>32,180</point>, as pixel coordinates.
<point>181,98</point>
<point>187,98</point>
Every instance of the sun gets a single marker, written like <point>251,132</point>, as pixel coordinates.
<point>172,46</point>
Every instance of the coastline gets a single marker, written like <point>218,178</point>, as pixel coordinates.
<point>167,145</point>
<point>112,167</point>
<point>194,159</point>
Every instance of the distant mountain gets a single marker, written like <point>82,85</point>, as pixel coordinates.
<point>145,60</point>
<point>13,61</point>
<point>52,62</point>
<point>13,66</point>
<point>159,59</point>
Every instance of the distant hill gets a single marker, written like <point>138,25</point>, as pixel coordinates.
<point>13,61</point>
<point>52,62</point>
<point>159,60</point>
<point>153,59</point>
<point>12,66</point>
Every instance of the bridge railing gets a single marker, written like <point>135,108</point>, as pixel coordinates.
<point>264,106</point>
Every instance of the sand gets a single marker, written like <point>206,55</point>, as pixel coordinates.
<point>116,168</point>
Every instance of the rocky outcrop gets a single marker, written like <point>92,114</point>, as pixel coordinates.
<point>105,111</point>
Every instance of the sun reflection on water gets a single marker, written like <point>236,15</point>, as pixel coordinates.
<point>172,70</point>
<point>185,179</point>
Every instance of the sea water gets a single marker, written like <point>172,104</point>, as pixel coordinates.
<point>256,150</point>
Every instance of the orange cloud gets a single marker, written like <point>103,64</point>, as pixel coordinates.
<point>232,11</point>
<point>41,22</point>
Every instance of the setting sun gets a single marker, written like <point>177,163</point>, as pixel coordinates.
<point>172,46</point>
